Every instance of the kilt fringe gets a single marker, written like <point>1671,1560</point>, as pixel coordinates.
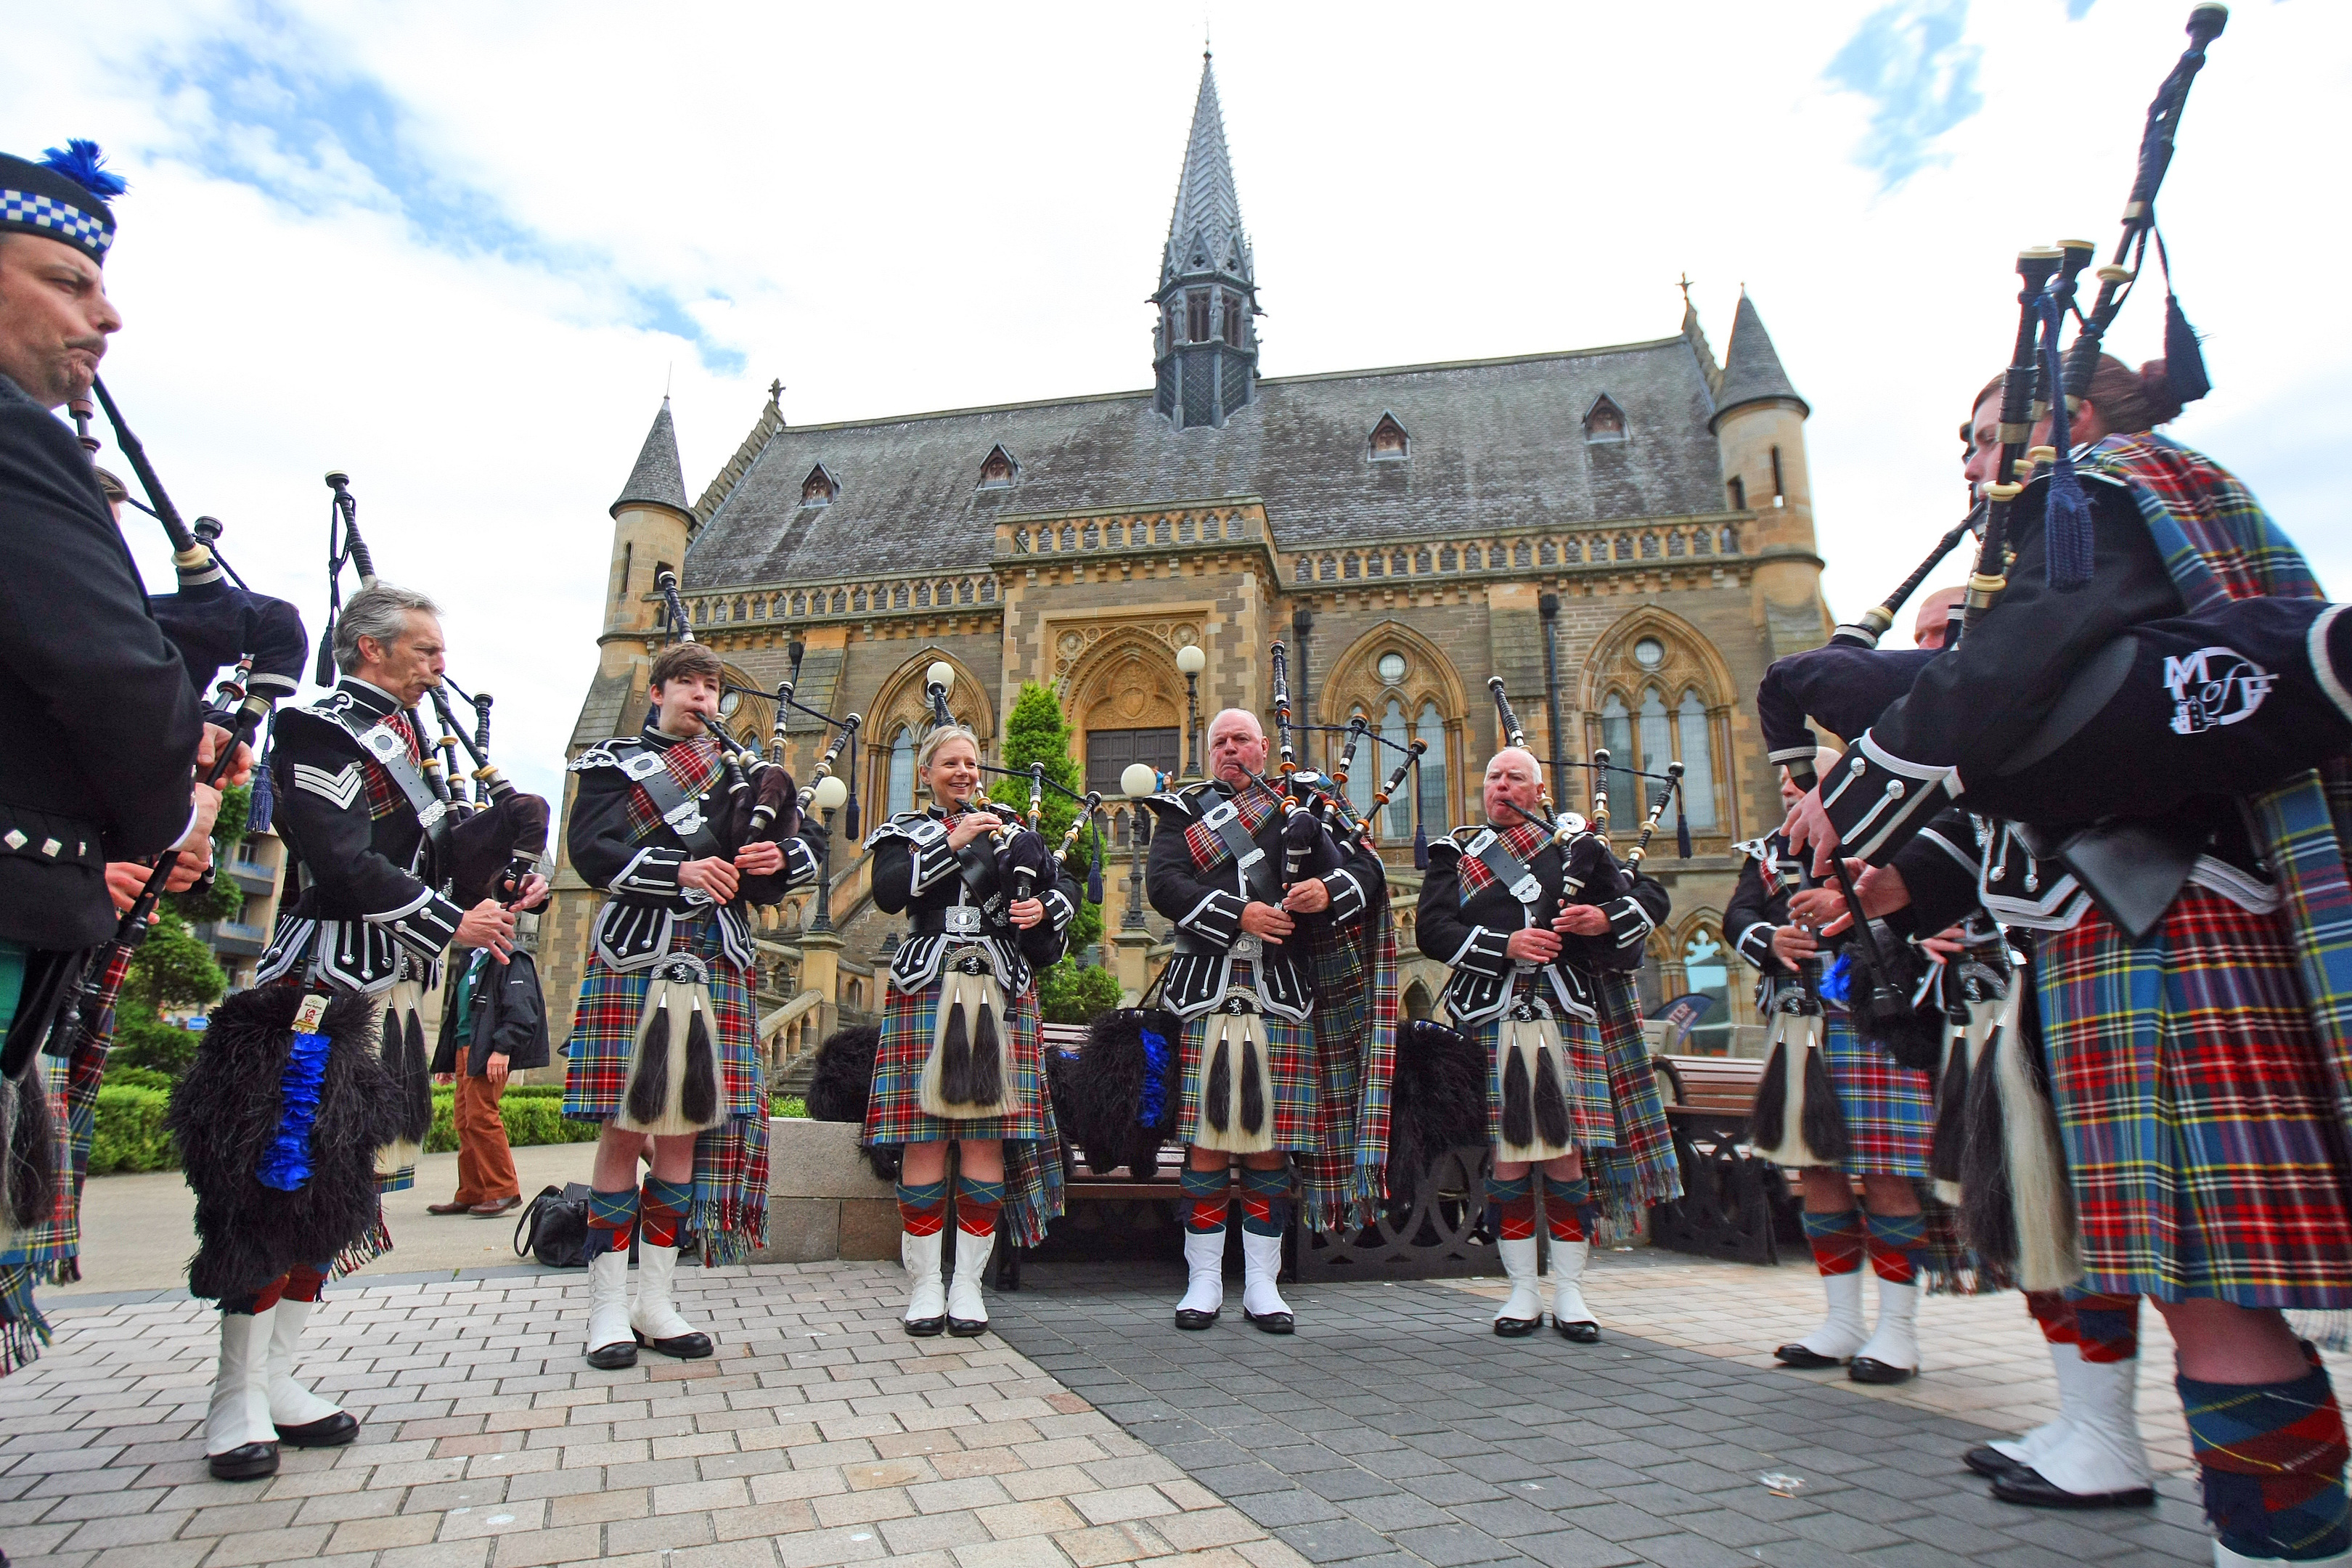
<point>23,1330</point>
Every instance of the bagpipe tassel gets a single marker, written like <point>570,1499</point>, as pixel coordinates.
<point>1420,845</point>
<point>1682,829</point>
<point>2066,518</point>
<point>2184,361</point>
<point>849,814</point>
<point>1094,871</point>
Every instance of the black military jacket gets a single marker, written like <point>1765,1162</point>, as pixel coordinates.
<point>102,722</point>
<point>1206,907</point>
<point>1472,938</point>
<point>370,877</point>
<point>954,898</point>
<point>638,865</point>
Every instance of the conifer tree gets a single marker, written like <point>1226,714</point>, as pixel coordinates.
<point>1036,732</point>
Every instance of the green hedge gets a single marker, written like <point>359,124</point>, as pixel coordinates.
<point>533,1113</point>
<point>130,1134</point>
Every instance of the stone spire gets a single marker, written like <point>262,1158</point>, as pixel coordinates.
<point>1204,349</point>
<point>656,479</point>
<point>1751,368</point>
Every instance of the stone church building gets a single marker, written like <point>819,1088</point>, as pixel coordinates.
<point>1637,516</point>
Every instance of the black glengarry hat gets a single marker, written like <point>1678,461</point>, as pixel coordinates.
<point>62,198</point>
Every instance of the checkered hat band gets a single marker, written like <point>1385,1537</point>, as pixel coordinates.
<point>32,211</point>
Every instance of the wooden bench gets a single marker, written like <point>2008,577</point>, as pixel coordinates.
<point>1734,1205</point>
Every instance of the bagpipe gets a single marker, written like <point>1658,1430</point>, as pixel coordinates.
<point>2226,700</point>
<point>495,833</point>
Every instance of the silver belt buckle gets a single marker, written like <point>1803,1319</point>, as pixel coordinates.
<point>1248,946</point>
<point>963,920</point>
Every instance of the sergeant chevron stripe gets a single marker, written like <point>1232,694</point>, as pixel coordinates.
<point>341,786</point>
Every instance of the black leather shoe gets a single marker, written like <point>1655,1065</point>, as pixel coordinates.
<point>2024,1484</point>
<point>247,1462</point>
<point>1270,1322</point>
<point>1804,1360</point>
<point>615,1356</point>
<point>1517,1328</point>
<point>1862,1369</point>
<point>967,1328</point>
<point>686,1347</point>
<point>1193,1318</point>
<point>1587,1333</point>
<point>1989,1462</point>
<point>925,1328</point>
<point>326,1432</point>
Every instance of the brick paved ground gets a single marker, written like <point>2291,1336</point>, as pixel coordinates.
<point>1393,1427</point>
<point>819,1435</point>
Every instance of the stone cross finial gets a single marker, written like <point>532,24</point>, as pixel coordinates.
<point>776,390</point>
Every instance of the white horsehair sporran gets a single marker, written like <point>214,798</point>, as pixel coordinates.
<point>1531,1085</point>
<point>1236,1082</point>
<point>968,1073</point>
<point>672,1085</point>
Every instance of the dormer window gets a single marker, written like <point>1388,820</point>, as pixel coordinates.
<point>818,489</point>
<point>998,471</point>
<point>1389,441</point>
<point>1604,422</point>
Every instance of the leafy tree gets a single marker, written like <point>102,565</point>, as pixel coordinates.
<point>224,898</point>
<point>1036,731</point>
<point>172,970</point>
<point>1068,994</point>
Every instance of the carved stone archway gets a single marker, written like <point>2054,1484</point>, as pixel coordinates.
<point>1126,680</point>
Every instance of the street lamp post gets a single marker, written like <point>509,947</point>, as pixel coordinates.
<point>1139,781</point>
<point>1192,661</point>
<point>830,791</point>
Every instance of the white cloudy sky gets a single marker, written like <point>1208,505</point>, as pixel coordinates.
<point>459,249</point>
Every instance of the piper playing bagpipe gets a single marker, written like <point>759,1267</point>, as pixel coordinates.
<point>1529,911</point>
<point>663,1048</point>
<point>1283,936</point>
<point>2195,1009</point>
<point>959,1061</point>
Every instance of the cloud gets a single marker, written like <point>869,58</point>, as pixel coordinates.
<point>1908,59</point>
<point>253,102</point>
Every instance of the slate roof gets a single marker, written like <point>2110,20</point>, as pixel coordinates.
<point>657,478</point>
<point>1494,444</point>
<point>1751,367</point>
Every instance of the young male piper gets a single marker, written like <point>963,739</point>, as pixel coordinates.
<point>1888,1114</point>
<point>1524,923</point>
<point>662,1047</point>
<point>1244,984</point>
<point>2198,1065</point>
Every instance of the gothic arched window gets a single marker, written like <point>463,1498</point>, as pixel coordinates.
<point>898,787</point>
<point>1400,811</point>
<point>1657,707</point>
<point>1697,753</point>
<point>1429,729</point>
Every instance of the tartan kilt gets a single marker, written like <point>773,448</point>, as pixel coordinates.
<point>604,1029</point>
<point>1290,1068</point>
<point>1890,1111</point>
<point>894,1110</point>
<point>1591,1111</point>
<point>2193,1096</point>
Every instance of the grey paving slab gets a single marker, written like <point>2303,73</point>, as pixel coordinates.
<point>1393,1425</point>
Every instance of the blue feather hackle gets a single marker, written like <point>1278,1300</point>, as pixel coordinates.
<point>2066,516</point>
<point>79,160</point>
<point>1153,1104</point>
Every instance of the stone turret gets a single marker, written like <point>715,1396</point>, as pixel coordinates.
<point>1204,346</point>
<point>1759,426</point>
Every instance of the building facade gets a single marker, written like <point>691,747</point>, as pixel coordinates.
<point>1624,533</point>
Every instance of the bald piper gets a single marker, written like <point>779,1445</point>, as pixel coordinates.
<point>1531,928</point>
<point>1263,900</point>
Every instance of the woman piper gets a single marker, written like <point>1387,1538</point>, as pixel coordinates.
<point>1523,923</point>
<point>1888,1117</point>
<point>959,1059</point>
<point>662,1048</point>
